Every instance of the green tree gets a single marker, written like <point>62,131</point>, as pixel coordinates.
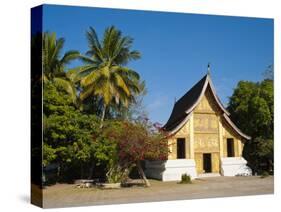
<point>56,100</point>
<point>238,105</point>
<point>251,108</point>
<point>269,73</point>
<point>68,133</point>
<point>54,63</point>
<point>105,74</point>
<point>49,154</point>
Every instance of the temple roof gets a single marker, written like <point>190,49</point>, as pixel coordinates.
<point>186,104</point>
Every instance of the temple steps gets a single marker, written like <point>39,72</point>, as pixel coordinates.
<point>209,175</point>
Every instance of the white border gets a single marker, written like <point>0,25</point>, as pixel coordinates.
<point>15,101</point>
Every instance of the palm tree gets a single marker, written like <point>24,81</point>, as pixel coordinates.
<point>54,64</point>
<point>105,74</point>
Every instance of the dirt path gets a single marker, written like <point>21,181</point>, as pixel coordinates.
<point>65,195</point>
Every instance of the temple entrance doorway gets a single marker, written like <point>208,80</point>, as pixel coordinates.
<point>207,162</point>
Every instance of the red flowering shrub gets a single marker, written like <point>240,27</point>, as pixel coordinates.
<point>136,142</point>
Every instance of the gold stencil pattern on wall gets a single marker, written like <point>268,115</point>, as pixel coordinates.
<point>215,162</point>
<point>184,131</point>
<point>199,162</point>
<point>206,143</point>
<point>205,123</point>
<point>207,103</point>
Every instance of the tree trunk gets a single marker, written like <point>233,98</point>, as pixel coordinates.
<point>141,172</point>
<point>270,166</point>
<point>59,171</point>
<point>81,171</point>
<point>91,171</point>
<point>126,174</point>
<point>102,116</point>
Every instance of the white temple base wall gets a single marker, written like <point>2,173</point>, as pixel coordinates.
<point>233,166</point>
<point>170,170</point>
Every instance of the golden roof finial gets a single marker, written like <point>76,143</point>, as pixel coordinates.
<point>209,69</point>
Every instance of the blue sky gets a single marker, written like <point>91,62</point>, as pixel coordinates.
<point>175,48</point>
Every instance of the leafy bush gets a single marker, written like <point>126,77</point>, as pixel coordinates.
<point>185,179</point>
<point>130,143</point>
<point>264,174</point>
<point>116,174</point>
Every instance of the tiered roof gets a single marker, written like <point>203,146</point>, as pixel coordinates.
<point>186,104</point>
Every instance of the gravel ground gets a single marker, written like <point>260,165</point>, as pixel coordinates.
<point>67,195</point>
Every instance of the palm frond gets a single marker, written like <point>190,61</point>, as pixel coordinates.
<point>73,75</point>
<point>86,92</point>
<point>87,60</point>
<point>103,89</point>
<point>94,44</point>
<point>104,74</point>
<point>54,52</point>
<point>67,86</point>
<point>119,47</point>
<point>83,71</point>
<point>124,98</point>
<point>93,38</point>
<point>69,56</point>
<point>53,63</point>
<point>125,71</point>
<point>121,84</point>
<point>90,78</point>
<point>134,55</point>
<point>107,40</point>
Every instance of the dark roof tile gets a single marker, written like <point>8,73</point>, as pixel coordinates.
<point>184,103</point>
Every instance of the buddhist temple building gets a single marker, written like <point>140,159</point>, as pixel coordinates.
<point>203,141</point>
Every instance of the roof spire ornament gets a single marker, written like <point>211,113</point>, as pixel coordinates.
<point>209,70</point>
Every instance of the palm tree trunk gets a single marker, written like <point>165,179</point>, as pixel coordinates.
<point>102,116</point>
<point>142,174</point>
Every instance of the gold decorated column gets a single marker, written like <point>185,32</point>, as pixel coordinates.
<point>191,138</point>
<point>170,143</point>
<point>172,148</point>
<point>220,137</point>
<point>239,148</point>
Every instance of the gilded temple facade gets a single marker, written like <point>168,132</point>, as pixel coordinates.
<point>203,140</point>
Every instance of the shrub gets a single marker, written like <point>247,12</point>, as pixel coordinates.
<point>264,174</point>
<point>185,179</point>
<point>115,175</point>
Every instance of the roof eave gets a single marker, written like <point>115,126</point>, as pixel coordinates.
<point>208,81</point>
<point>215,95</point>
<point>180,125</point>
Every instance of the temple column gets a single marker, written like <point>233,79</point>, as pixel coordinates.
<point>220,138</point>
<point>191,136</point>
<point>170,146</point>
<point>239,148</point>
